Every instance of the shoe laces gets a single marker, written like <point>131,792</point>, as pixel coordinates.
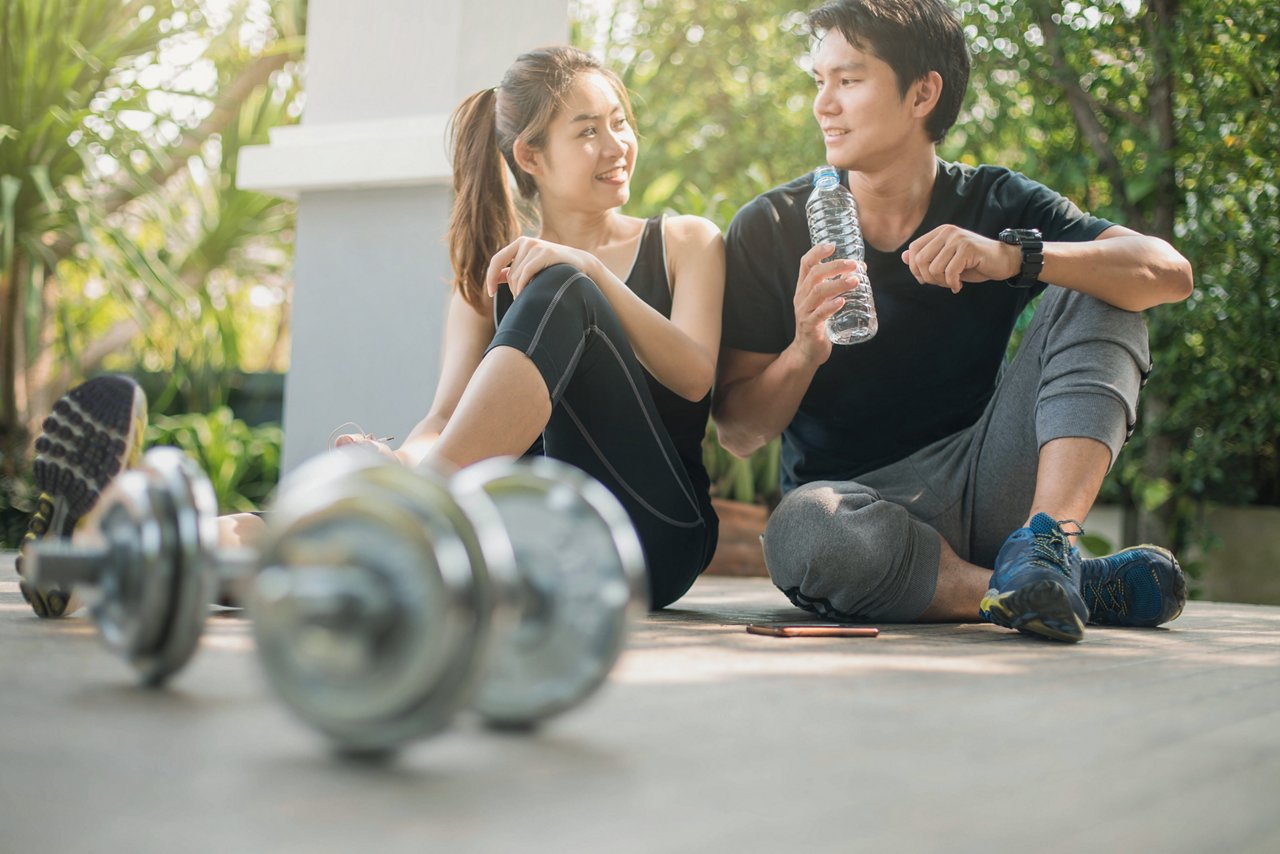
<point>1051,547</point>
<point>1107,594</point>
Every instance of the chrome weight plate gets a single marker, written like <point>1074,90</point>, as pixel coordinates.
<point>491,562</point>
<point>367,613</point>
<point>582,579</point>
<point>182,493</point>
<point>130,602</point>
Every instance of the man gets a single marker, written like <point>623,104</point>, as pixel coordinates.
<point>908,460</point>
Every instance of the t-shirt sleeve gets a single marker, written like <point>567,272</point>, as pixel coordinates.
<point>1055,215</point>
<point>757,292</point>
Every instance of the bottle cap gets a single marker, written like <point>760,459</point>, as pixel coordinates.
<point>825,176</point>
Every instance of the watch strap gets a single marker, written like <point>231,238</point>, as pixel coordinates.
<point>1032,264</point>
<point>1032,246</point>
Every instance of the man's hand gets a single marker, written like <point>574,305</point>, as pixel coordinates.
<point>818,297</point>
<point>949,256</point>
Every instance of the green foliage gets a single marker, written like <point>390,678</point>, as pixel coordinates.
<point>227,253</point>
<point>1185,119</point>
<point>243,462</point>
<point>722,99</point>
<point>1096,545</point>
<point>57,124</point>
<point>754,480</point>
<point>123,237</point>
<point>17,503</point>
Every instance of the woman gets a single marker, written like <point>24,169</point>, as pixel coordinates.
<point>598,335</point>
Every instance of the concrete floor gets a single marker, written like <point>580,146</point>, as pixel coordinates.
<point>705,739</point>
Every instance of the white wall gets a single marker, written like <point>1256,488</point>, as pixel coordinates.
<point>368,165</point>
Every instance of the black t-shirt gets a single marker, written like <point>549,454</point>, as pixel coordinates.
<point>934,362</point>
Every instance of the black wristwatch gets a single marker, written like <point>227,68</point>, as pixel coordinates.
<point>1032,254</point>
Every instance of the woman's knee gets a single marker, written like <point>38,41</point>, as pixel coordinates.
<point>564,284</point>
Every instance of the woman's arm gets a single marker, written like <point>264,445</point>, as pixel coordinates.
<point>680,352</point>
<point>466,337</point>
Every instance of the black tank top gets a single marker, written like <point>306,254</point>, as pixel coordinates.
<point>685,420</point>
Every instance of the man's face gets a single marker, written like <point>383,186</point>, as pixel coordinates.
<point>865,121</point>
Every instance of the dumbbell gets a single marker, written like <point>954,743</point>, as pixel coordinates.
<point>146,559</point>
<point>507,588</point>
<point>387,598</point>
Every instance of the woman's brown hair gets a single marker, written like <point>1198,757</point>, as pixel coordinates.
<point>482,134</point>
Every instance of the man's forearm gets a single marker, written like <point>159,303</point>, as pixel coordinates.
<point>1130,271</point>
<point>750,411</point>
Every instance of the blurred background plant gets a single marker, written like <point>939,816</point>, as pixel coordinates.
<point>243,462</point>
<point>1158,114</point>
<point>124,241</point>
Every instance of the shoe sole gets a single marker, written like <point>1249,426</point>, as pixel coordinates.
<point>1040,608</point>
<point>1179,585</point>
<point>94,431</point>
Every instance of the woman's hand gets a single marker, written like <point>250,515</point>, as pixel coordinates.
<point>519,261</point>
<point>367,441</point>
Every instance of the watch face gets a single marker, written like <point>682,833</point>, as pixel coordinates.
<point>1017,236</point>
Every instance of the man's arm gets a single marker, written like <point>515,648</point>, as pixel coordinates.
<point>1121,267</point>
<point>757,394</point>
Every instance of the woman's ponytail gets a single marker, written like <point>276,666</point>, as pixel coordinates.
<point>484,214</point>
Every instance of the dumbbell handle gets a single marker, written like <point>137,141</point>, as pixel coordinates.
<point>68,564</point>
<point>233,569</point>
<point>331,596</point>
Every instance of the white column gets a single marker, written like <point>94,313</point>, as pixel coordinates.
<point>370,169</point>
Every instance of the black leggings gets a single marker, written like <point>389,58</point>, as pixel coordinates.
<point>604,421</point>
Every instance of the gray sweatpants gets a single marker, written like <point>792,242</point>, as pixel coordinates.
<point>869,549</point>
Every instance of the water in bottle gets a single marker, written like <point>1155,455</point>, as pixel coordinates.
<point>833,218</point>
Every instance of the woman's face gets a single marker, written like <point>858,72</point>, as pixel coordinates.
<point>590,151</point>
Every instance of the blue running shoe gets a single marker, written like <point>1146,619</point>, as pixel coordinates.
<point>1140,586</point>
<point>94,431</point>
<point>1035,587</point>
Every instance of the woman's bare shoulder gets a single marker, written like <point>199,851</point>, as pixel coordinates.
<point>691,228</point>
<point>692,238</point>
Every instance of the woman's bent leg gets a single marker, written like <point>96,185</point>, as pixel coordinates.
<point>503,410</point>
<point>601,419</point>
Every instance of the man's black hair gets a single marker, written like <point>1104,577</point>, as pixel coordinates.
<point>913,37</point>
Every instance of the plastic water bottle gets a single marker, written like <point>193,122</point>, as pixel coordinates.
<point>833,218</point>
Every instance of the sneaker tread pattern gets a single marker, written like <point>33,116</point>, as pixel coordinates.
<point>86,440</point>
